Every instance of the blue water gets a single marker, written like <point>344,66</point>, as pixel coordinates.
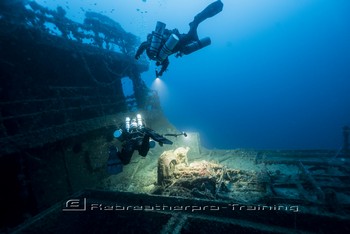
<point>277,75</point>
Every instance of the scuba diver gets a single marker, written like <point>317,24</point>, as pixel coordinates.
<point>163,42</point>
<point>134,135</point>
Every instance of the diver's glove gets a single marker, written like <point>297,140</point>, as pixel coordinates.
<point>158,74</point>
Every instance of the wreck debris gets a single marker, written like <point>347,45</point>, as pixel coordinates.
<point>203,179</point>
<point>305,175</point>
<point>167,162</point>
<point>273,180</point>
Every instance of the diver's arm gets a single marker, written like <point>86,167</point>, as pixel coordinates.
<point>141,49</point>
<point>164,65</point>
<point>155,136</point>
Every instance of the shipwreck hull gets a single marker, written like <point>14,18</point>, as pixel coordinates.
<point>54,87</point>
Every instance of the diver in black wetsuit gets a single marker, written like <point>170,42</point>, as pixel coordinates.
<point>134,135</point>
<point>163,42</point>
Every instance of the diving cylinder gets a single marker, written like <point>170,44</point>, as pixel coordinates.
<point>127,124</point>
<point>139,121</point>
<point>156,41</point>
<point>168,47</point>
<point>197,45</point>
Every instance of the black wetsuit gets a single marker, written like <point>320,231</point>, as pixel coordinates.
<point>184,39</point>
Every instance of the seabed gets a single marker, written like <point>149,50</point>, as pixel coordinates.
<point>192,189</point>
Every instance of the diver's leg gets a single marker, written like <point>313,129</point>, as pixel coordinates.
<point>211,10</point>
<point>126,154</point>
<point>114,163</point>
<point>144,148</point>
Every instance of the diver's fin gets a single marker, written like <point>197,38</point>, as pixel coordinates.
<point>211,10</point>
<point>114,164</point>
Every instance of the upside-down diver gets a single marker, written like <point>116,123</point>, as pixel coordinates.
<point>162,42</point>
